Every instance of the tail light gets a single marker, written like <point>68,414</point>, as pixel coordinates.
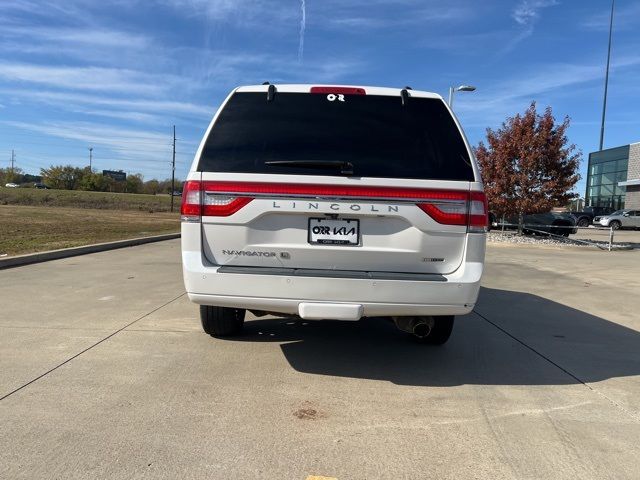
<point>198,200</point>
<point>222,199</point>
<point>190,209</point>
<point>221,205</point>
<point>478,212</point>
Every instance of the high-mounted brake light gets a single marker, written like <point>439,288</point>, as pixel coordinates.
<point>339,90</point>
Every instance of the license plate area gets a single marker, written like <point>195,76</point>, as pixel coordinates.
<point>333,231</point>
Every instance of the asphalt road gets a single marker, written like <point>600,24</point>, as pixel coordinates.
<point>105,373</point>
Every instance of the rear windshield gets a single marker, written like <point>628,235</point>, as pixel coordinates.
<point>378,135</point>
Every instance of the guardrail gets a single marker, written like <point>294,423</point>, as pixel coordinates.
<point>543,230</point>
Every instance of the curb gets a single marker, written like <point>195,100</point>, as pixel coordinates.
<point>28,259</point>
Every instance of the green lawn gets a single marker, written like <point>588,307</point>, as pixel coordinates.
<point>28,229</point>
<point>93,200</point>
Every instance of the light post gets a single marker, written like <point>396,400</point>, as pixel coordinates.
<point>90,159</point>
<point>461,88</point>
<point>606,76</point>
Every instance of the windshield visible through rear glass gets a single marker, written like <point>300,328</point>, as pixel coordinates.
<point>378,135</point>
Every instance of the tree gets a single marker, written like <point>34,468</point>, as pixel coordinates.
<point>64,177</point>
<point>8,175</point>
<point>151,187</point>
<point>134,183</point>
<point>96,182</point>
<point>528,166</point>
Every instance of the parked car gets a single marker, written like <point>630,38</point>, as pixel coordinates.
<point>334,202</point>
<point>40,186</point>
<point>550,222</point>
<point>585,217</point>
<point>620,219</point>
<point>12,185</point>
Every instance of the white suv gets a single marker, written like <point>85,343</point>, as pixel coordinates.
<point>334,202</point>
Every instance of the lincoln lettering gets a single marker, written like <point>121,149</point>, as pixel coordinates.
<point>337,207</point>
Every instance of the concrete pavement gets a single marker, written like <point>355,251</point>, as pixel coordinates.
<point>112,378</point>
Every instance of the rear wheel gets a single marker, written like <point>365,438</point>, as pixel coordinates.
<point>583,222</point>
<point>440,331</point>
<point>221,321</point>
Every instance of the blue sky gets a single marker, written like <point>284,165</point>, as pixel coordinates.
<point>117,75</point>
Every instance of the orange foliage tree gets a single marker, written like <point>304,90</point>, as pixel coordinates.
<point>528,165</point>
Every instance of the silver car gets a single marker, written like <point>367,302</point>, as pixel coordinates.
<point>620,219</point>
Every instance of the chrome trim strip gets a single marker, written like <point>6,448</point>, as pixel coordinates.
<point>346,199</point>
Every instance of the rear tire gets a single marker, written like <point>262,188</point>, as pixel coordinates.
<point>584,222</point>
<point>221,321</point>
<point>440,332</point>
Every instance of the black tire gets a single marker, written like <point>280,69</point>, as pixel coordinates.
<point>584,222</point>
<point>441,331</point>
<point>615,224</point>
<point>221,321</point>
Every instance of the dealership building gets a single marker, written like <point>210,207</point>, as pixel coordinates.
<point>613,177</point>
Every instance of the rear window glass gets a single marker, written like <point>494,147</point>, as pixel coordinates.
<point>378,135</point>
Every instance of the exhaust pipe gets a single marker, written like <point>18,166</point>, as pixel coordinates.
<point>421,329</point>
<point>418,326</point>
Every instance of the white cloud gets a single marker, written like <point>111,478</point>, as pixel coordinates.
<point>412,16</point>
<point>551,80</point>
<point>87,78</point>
<point>625,17</point>
<point>90,37</point>
<point>528,11</point>
<point>123,115</point>
<point>98,134</point>
<point>247,13</point>
<point>114,143</point>
<point>65,99</point>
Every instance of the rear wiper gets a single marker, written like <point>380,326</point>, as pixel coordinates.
<point>346,168</point>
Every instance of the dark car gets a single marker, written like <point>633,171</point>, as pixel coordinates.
<point>40,186</point>
<point>550,222</point>
<point>585,217</point>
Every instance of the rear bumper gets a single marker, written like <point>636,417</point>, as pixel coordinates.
<point>298,295</point>
<point>295,307</point>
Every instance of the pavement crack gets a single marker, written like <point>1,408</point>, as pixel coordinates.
<point>560,367</point>
<point>91,347</point>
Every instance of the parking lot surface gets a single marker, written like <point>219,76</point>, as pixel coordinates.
<point>106,374</point>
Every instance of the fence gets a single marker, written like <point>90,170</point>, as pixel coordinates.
<point>603,238</point>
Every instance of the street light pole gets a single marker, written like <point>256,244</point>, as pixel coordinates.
<point>90,159</point>
<point>173,168</point>
<point>606,77</point>
<point>461,88</point>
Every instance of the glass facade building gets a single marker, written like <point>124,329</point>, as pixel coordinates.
<point>607,168</point>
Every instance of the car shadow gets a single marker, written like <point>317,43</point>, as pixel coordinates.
<point>514,339</point>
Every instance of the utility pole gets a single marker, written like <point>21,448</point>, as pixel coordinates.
<point>90,159</point>
<point>13,160</point>
<point>173,167</point>
<point>606,77</point>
